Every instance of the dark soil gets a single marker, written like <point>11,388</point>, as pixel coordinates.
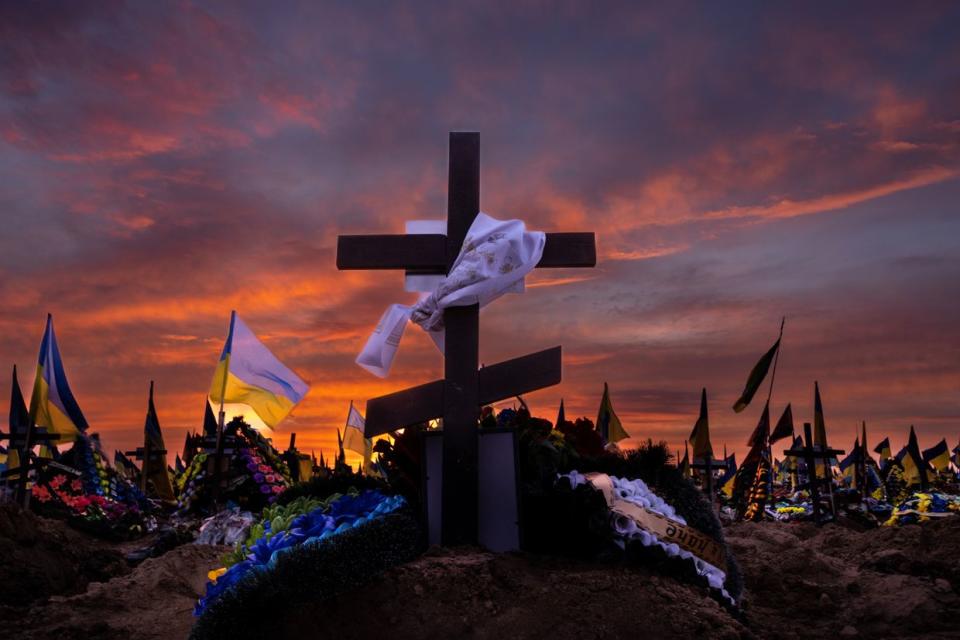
<point>804,582</point>
<point>801,582</point>
<point>41,557</point>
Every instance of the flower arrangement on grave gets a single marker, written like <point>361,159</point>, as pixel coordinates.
<point>66,497</point>
<point>596,502</point>
<point>922,507</point>
<point>295,529</point>
<point>188,484</point>
<point>255,475</point>
<point>275,520</point>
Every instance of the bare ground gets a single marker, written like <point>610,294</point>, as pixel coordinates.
<point>800,582</point>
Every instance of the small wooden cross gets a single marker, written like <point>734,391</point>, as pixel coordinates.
<point>465,387</point>
<point>23,444</point>
<point>811,455</point>
<point>147,454</point>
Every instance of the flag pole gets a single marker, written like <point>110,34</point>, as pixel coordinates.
<point>776,358</point>
<point>25,452</point>
<point>773,375</point>
<point>222,414</point>
<point>28,437</point>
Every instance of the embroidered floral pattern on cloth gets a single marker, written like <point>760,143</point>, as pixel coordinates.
<point>495,257</point>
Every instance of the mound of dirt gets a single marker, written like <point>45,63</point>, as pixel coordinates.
<point>471,593</point>
<point>42,557</point>
<point>153,601</point>
<point>803,581</point>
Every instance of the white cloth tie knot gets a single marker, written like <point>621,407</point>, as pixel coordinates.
<point>495,257</point>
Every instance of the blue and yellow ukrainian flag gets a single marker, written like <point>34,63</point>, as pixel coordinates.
<point>52,404</point>
<point>848,466</point>
<point>883,449</point>
<point>249,374</point>
<point>728,481</point>
<point>914,468</point>
<point>938,456</point>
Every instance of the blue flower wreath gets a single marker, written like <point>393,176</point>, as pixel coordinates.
<point>306,529</point>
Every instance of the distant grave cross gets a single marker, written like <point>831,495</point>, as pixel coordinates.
<point>811,454</point>
<point>147,455</point>
<point>23,442</point>
<point>465,387</point>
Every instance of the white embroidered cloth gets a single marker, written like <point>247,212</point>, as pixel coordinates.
<point>495,257</point>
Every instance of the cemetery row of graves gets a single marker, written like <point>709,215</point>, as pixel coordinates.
<point>440,464</point>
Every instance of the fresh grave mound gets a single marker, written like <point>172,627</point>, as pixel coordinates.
<point>471,593</point>
<point>311,549</point>
<point>583,500</point>
<point>626,510</point>
<point>154,601</point>
<point>253,474</point>
<point>43,557</point>
<point>803,581</point>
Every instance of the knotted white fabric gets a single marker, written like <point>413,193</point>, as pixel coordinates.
<point>495,257</point>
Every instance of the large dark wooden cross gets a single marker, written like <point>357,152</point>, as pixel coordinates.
<point>465,387</point>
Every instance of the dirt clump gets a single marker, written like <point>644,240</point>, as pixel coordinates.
<point>155,600</point>
<point>893,582</point>
<point>43,557</point>
<point>469,593</point>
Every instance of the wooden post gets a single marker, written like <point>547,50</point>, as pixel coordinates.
<point>811,463</point>
<point>461,406</point>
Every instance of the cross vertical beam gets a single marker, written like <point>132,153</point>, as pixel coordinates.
<point>461,404</point>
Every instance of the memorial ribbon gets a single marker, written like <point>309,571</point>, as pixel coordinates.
<point>666,529</point>
<point>495,257</point>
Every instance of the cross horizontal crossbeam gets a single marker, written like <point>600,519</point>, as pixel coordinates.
<point>139,454</point>
<point>497,382</point>
<point>428,252</point>
<point>19,440</point>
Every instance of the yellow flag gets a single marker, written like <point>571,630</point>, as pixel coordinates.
<point>700,436</point>
<point>608,424</point>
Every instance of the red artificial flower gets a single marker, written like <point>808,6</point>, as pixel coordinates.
<point>40,493</point>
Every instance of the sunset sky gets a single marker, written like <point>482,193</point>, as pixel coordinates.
<point>162,163</point>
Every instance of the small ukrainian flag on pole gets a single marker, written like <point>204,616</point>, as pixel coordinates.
<point>249,374</point>
<point>52,404</point>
